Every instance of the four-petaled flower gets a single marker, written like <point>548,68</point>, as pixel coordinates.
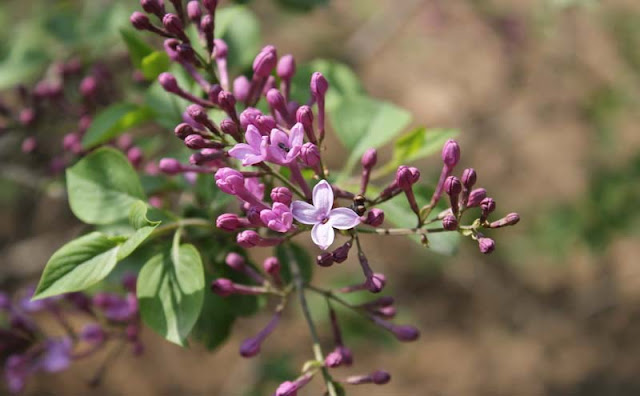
<point>278,218</point>
<point>322,216</point>
<point>284,149</point>
<point>255,151</point>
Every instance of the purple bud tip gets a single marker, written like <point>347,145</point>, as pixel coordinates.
<point>469,178</point>
<point>404,177</point>
<point>325,259</point>
<point>282,195</point>
<point>512,218</point>
<point>451,153</point>
<point>153,6</point>
<point>173,24</point>
<point>405,333</point>
<point>380,377</point>
<point>319,85</point>
<point>183,130</point>
<point>223,287</point>
<point>228,222</point>
<point>206,23</point>
<point>227,101</point>
<point>169,82</point>
<point>341,254</point>
<point>304,115</point>
<point>375,217</point>
<point>488,205</point>
<point>241,88</point>
<point>140,21</point>
<point>376,283</point>
<point>450,223</point>
<point>250,347</point>
<point>248,238</point>
<point>310,154</point>
<point>129,282</point>
<point>286,67</point>
<point>264,62</point>
<point>198,113</point>
<point>333,359</point>
<point>475,197</point>
<point>195,142</point>
<point>271,265</point>
<point>452,186</point>
<point>170,166</point>
<point>235,261</point>
<point>221,48</point>
<point>210,5</point>
<point>275,99</point>
<point>229,180</point>
<point>229,127</point>
<point>486,245</point>
<point>369,158</point>
<point>193,11</point>
<point>287,388</point>
<point>92,333</point>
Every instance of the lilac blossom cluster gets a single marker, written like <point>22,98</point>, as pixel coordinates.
<point>272,163</point>
<point>26,348</point>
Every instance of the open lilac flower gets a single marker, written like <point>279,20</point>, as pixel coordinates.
<point>255,151</point>
<point>278,218</point>
<point>322,216</point>
<point>284,148</point>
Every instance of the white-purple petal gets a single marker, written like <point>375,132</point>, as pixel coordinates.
<point>253,137</point>
<point>323,197</point>
<point>305,213</point>
<point>343,218</point>
<point>322,235</point>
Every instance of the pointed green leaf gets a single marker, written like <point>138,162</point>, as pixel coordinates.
<point>138,216</point>
<point>113,121</point>
<point>154,64</point>
<point>417,144</point>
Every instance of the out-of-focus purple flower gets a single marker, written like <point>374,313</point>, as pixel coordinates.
<point>57,355</point>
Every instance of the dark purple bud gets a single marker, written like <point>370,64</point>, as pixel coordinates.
<point>155,7</point>
<point>282,195</point>
<point>375,217</point>
<point>376,283</point>
<point>235,261</point>
<point>198,114</point>
<point>265,124</point>
<point>229,127</point>
<point>183,130</point>
<point>170,166</point>
<point>194,12</point>
<point>248,117</point>
<point>452,186</point>
<point>140,21</point>
<point>319,85</point>
<point>241,88</point>
<point>228,222</point>
<point>196,142</point>
<point>469,178</point>
<point>206,25</point>
<point>341,254</point>
<point>265,61</point>
<point>276,100</point>
<point>135,156</point>
<point>404,178</point>
<point>169,83</point>
<point>325,259</point>
<point>187,54</point>
<point>286,67</point>
<point>250,347</point>
<point>508,220</point>
<point>214,91</point>
<point>227,101</point>
<point>486,245</point>
<point>450,223</point>
<point>210,6</point>
<point>405,332</point>
<point>488,205</point>
<point>92,333</point>
<point>174,26</point>
<point>380,377</point>
<point>475,197</point>
<point>451,153</point>
<point>369,158</point>
<point>271,266</point>
<point>221,49</point>
<point>310,154</point>
<point>304,115</point>
<point>223,287</point>
<point>248,238</point>
<point>129,282</point>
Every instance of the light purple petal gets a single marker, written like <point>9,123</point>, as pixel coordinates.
<point>57,356</point>
<point>343,218</point>
<point>253,137</point>
<point>279,137</point>
<point>305,213</point>
<point>322,235</point>
<point>297,135</point>
<point>276,154</point>
<point>292,154</point>
<point>241,150</point>
<point>323,197</point>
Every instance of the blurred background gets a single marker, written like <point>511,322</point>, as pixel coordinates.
<point>545,94</point>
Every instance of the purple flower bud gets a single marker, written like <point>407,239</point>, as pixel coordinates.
<point>265,61</point>
<point>29,145</point>
<point>221,49</point>
<point>223,287</point>
<point>229,180</point>
<point>450,223</point>
<point>235,261</point>
<point>92,333</point>
<point>198,114</point>
<point>71,141</point>
<point>276,100</point>
<point>375,217</point>
<point>304,115</point>
<point>319,85</point>
<point>341,254</point>
<point>376,283</point>
<point>325,259</point>
<point>210,6</point>
<point>193,11</point>
<point>286,67</point>
<point>333,359</point>
<point>404,178</point>
<point>227,102</point>
<point>195,142</point>
<point>287,388</point>
<point>475,197</point>
<point>173,24</point>
<point>249,116</point>
<point>169,83</point>
<point>488,205</point>
<point>229,127</point>
<point>386,312</point>
<point>248,239</point>
<point>140,21</point>
<point>451,153</point>
<point>310,154</point>
<point>486,245</point>
<point>271,266</point>
<point>405,332</point>
<point>369,158</point>
<point>183,130</point>
<point>228,222</point>
<point>265,124</point>
<point>508,220</point>
<point>207,25</point>
<point>241,88</point>
<point>282,195</point>
<point>135,156</point>
<point>214,91</point>
<point>380,377</point>
<point>250,347</point>
<point>129,282</point>
<point>452,186</point>
<point>170,166</point>
<point>155,7</point>
<point>469,178</point>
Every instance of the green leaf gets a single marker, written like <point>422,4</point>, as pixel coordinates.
<point>102,187</point>
<point>138,216</point>
<point>138,49</point>
<point>302,5</point>
<point>171,291</point>
<point>215,322</point>
<point>154,64</point>
<point>291,251</point>
<point>79,264</point>
<point>419,143</point>
<point>240,29</point>
<point>362,122</point>
<point>113,121</point>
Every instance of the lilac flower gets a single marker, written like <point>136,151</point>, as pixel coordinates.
<point>57,356</point>
<point>278,218</point>
<point>284,148</point>
<point>322,216</point>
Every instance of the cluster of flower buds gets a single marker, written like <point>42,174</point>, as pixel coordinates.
<point>272,163</point>
<point>26,349</point>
